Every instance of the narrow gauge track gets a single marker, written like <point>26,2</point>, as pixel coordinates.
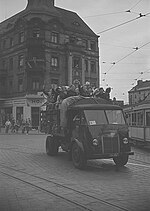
<point>87,196</point>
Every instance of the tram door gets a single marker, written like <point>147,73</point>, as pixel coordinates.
<point>35,117</point>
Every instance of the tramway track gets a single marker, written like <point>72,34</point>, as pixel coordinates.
<point>59,188</point>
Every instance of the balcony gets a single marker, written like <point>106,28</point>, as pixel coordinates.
<point>35,42</point>
<point>35,65</point>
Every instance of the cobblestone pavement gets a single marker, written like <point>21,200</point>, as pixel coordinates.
<point>22,156</point>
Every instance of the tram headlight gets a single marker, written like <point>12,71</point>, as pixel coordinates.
<point>95,142</point>
<point>125,141</point>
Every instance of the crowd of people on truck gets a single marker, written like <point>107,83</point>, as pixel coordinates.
<point>63,96</point>
<point>57,94</point>
<point>13,126</point>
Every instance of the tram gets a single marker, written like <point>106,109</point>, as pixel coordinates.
<point>138,119</point>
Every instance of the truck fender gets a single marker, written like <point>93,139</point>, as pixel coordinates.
<point>80,144</point>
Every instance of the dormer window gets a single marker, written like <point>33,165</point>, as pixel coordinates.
<point>76,23</point>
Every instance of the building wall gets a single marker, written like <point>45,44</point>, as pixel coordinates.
<point>35,50</point>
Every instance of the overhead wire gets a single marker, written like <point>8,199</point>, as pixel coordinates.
<point>136,49</point>
<point>135,4</point>
<point>121,24</point>
<point>114,13</point>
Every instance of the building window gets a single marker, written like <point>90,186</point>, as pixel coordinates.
<point>11,62</point>
<point>21,37</point>
<point>11,42</point>
<point>20,85</point>
<point>20,61</point>
<point>85,44</point>
<point>4,44</point>
<point>76,62</point>
<point>93,67</point>
<point>36,33</point>
<point>35,84</point>
<point>4,64</point>
<point>93,45</point>
<point>54,61</point>
<point>54,37</point>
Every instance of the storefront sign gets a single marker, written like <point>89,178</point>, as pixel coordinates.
<point>35,102</point>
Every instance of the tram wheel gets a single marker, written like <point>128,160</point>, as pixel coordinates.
<point>121,160</point>
<point>78,157</point>
<point>51,146</point>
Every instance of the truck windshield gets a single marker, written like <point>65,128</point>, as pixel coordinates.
<point>98,117</point>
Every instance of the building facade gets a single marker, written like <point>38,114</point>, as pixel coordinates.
<point>40,46</point>
<point>140,92</point>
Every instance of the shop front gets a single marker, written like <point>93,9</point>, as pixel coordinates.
<point>21,109</point>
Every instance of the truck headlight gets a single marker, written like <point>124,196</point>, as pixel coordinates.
<point>95,142</point>
<point>125,141</point>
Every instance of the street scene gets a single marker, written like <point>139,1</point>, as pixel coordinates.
<point>74,105</point>
<point>32,180</point>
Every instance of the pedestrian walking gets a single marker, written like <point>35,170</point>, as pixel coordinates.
<point>7,126</point>
<point>13,125</point>
<point>27,125</point>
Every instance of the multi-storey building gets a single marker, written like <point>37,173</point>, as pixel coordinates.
<point>43,45</point>
<point>139,92</point>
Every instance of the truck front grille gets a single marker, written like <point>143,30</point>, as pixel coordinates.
<point>110,144</point>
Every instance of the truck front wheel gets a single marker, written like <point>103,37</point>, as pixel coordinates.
<point>78,157</point>
<point>51,146</point>
<point>121,160</point>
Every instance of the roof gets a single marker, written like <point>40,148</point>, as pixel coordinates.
<point>69,19</point>
<point>73,22</point>
<point>93,103</point>
<point>141,85</point>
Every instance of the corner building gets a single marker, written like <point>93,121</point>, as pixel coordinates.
<point>43,45</point>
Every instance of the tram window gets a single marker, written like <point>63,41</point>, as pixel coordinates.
<point>137,118</point>
<point>140,118</point>
<point>133,118</point>
<point>147,118</point>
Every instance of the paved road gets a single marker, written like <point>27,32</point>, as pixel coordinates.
<point>31,180</point>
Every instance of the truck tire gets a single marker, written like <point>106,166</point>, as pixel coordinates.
<point>78,157</point>
<point>51,146</point>
<point>121,160</point>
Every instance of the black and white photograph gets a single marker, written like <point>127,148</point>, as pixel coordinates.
<point>74,105</point>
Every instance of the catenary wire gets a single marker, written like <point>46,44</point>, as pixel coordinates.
<point>135,4</point>
<point>136,49</point>
<point>121,24</point>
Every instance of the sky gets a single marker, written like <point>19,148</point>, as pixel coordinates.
<point>124,43</point>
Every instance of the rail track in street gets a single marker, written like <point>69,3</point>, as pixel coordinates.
<point>60,189</point>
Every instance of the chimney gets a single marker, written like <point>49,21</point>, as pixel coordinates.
<point>40,4</point>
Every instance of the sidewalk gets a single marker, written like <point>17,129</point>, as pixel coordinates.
<point>31,132</point>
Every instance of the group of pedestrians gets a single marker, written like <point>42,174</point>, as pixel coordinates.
<point>13,126</point>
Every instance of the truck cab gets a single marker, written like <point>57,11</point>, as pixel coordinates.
<point>96,129</point>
